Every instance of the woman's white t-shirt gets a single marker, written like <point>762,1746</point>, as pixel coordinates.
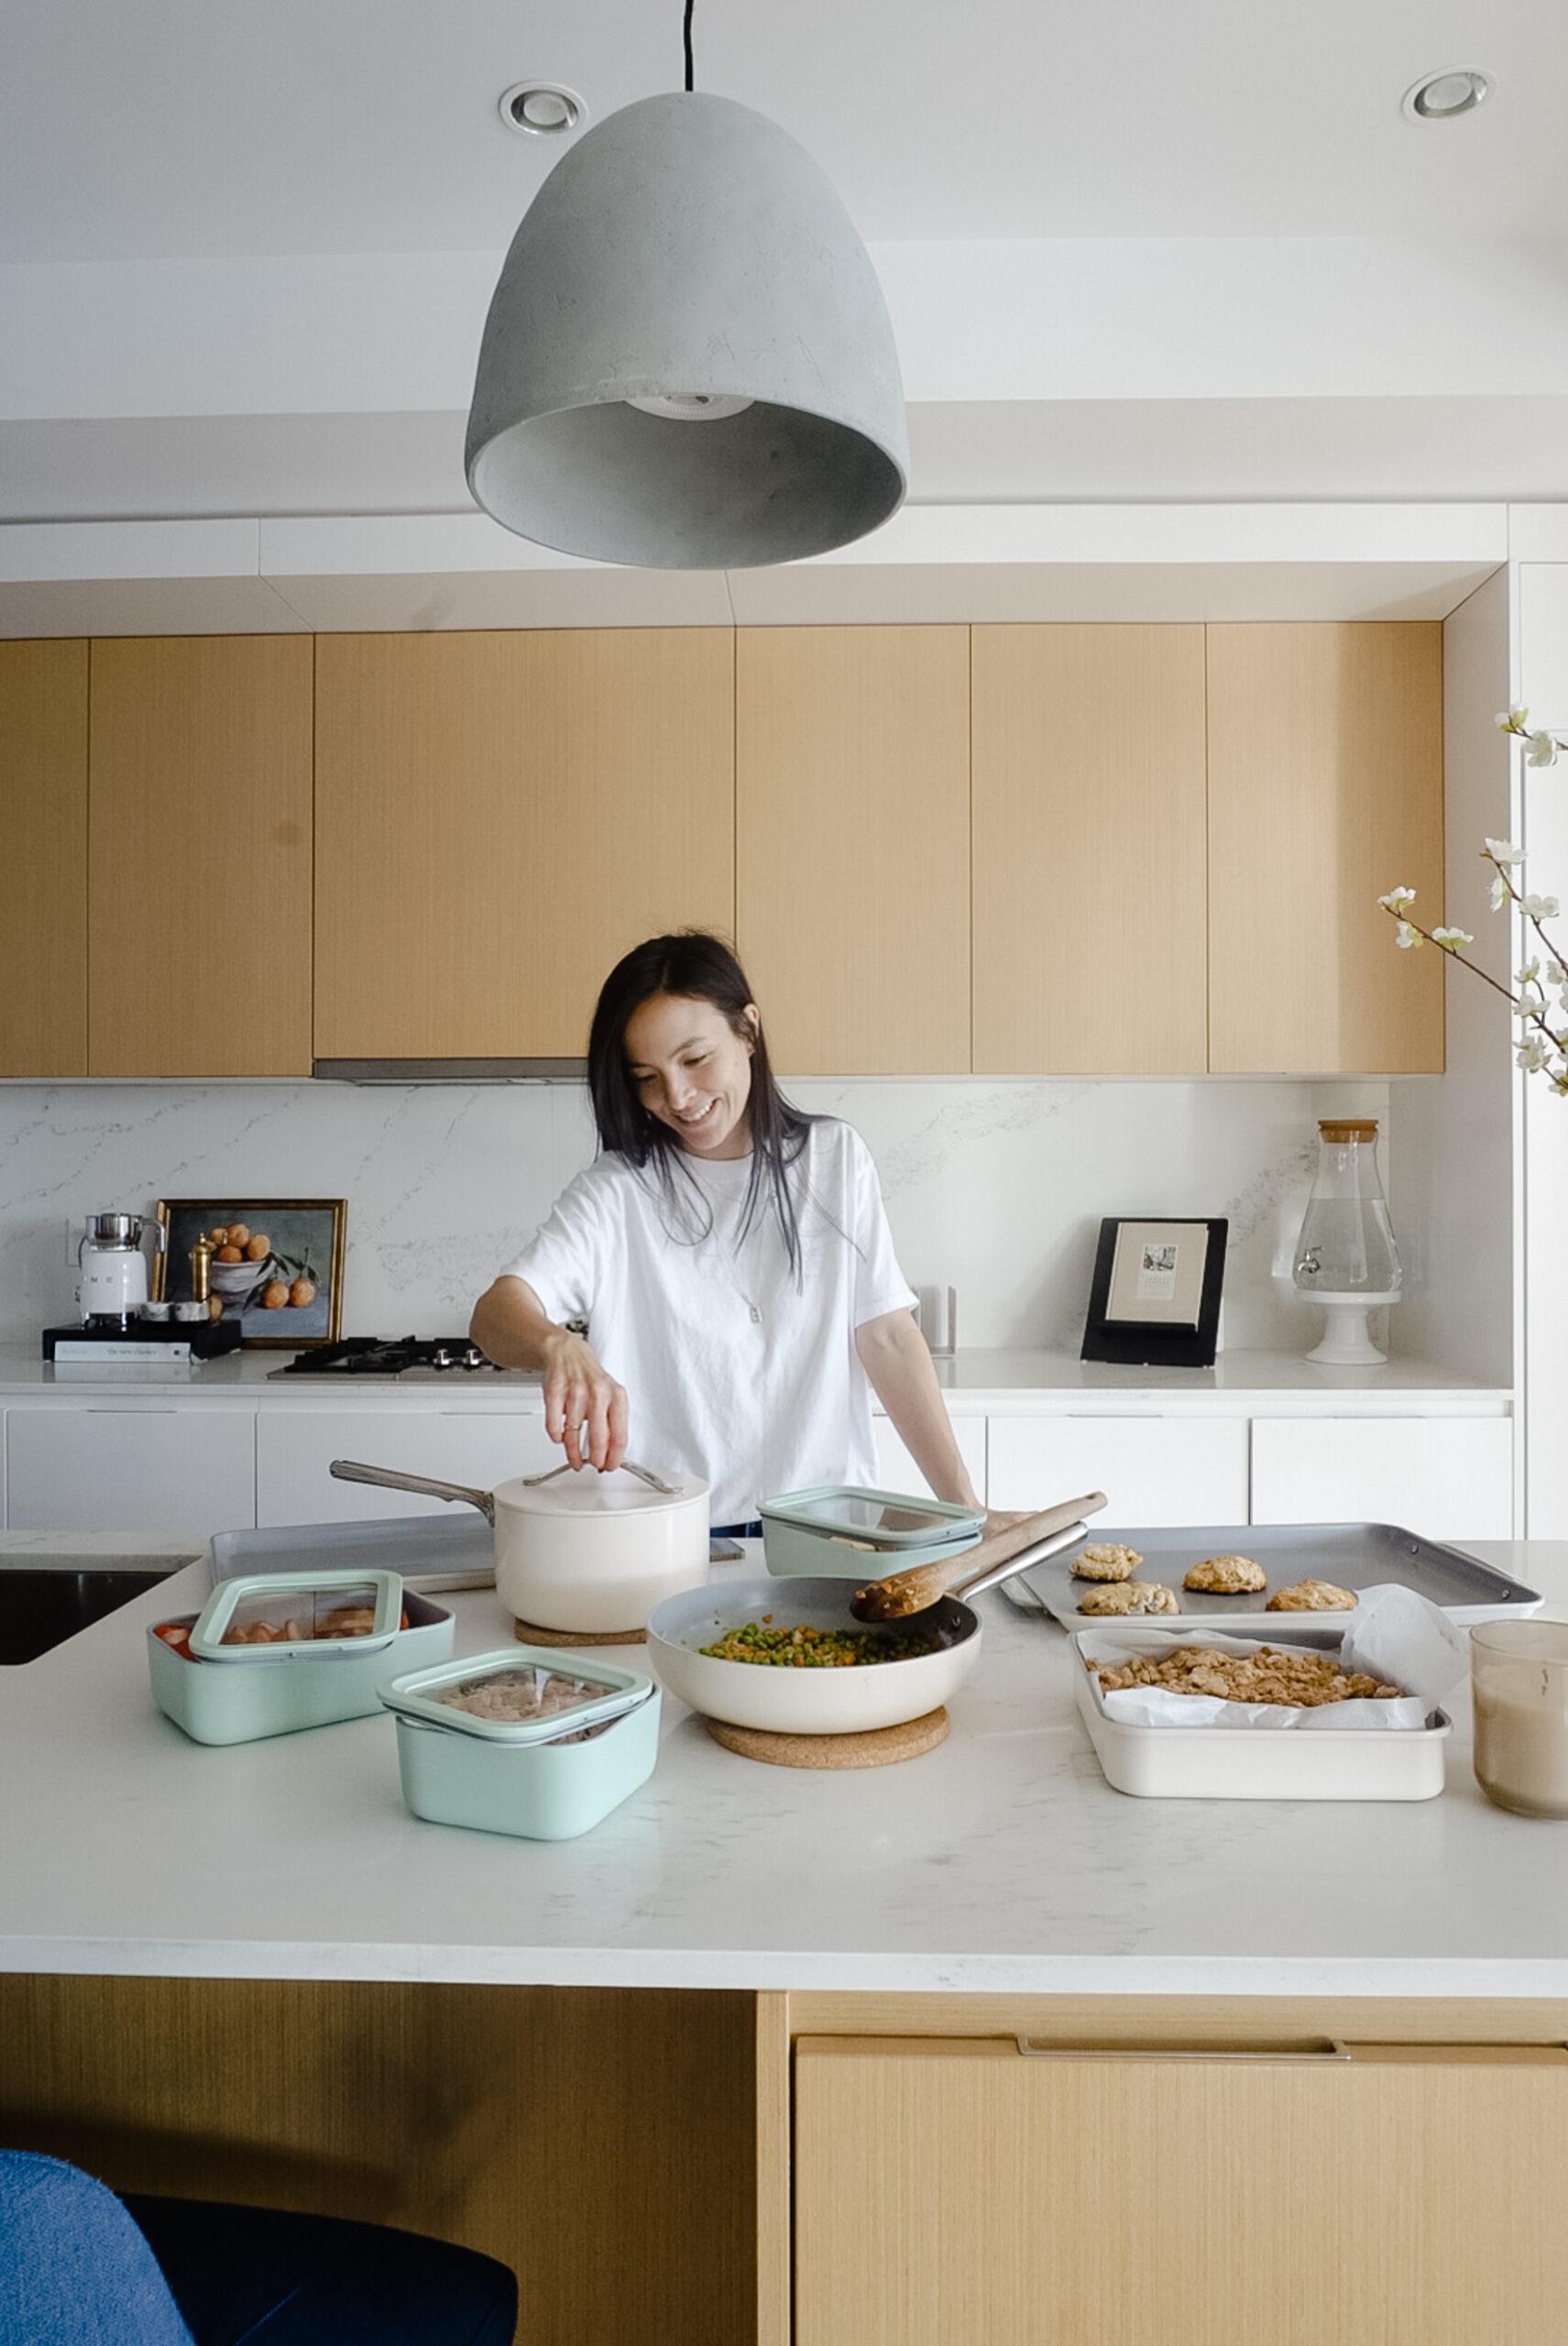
<point>735,1370</point>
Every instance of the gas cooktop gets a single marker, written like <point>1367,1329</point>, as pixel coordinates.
<point>415,1358</point>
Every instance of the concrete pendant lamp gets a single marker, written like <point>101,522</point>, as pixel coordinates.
<point>688,363</point>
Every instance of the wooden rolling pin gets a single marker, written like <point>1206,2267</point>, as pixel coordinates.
<point>918,1585</point>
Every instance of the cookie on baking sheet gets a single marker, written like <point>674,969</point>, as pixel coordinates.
<point>1105,1560</point>
<point>1311,1597</point>
<point>1226,1575</point>
<point>1130,1597</point>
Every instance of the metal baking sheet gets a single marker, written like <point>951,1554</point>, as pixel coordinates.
<point>432,1552</point>
<point>1352,1555</point>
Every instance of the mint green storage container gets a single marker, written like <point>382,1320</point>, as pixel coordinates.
<point>229,1702</point>
<point>541,1780</point>
<point>851,1532</point>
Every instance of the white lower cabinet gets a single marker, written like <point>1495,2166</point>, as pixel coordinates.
<point>1448,1478</point>
<point>131,1467</point>
<point>1169,1471</point>
<point>294,1450</point>
<point>897,1470</point>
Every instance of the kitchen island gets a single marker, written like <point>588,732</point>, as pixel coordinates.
<point>251,1970</point>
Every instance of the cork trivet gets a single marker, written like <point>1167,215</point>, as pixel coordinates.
<point>876,1746</point>
<point>529,1633</point>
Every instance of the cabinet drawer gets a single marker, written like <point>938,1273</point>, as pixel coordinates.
<point>954,2190</point>
<point>1152,1470</point>
<point>1449,1478</point>
<point>294,1451</point>
<point>897,1470</point>
<point>184,1473</point>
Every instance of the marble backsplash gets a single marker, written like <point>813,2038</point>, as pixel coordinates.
<point>995,1188</point>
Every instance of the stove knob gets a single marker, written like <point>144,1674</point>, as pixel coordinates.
<point>474,1358</point>
<point>442,1358</point>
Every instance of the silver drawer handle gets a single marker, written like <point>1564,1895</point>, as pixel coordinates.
<point>1332,2049</point>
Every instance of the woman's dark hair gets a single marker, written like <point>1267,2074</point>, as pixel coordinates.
<point>699,967</point>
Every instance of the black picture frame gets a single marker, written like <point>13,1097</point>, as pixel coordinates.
<point>1149,1308</point>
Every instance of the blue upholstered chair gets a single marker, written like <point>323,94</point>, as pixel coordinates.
<point>79,2267</point>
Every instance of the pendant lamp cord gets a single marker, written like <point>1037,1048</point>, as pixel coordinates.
<point>688,44</point>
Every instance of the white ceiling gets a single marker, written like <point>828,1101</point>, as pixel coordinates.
<point>1134,252</point>
<point>199,127</point>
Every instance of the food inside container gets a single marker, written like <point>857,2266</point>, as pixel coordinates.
<point>520,1696</point>
<point>271,1615</point>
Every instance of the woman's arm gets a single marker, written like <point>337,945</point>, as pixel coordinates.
<point>895,1356</point>
<point>585,1409</point>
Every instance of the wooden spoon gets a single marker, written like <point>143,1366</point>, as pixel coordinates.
<point>919,1585</point>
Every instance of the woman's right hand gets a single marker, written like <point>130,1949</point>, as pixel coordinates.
<point>585,1409</point>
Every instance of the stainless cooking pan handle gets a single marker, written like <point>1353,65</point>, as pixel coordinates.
<point>1055,1546</point>
<point>349,1470</point>
<point>644,1474</point>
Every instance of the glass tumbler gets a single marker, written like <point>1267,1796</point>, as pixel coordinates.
<point>1519,1677</point>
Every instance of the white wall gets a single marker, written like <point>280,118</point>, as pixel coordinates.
<point>995,1187</point>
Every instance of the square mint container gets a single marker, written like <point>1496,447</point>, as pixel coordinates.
<point>849,1531</point>
<point>222,1702</point>
<point>548,1776</point>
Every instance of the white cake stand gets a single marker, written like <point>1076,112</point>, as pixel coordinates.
<point>1347,1341</point>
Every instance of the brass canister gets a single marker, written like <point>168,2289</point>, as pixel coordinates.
<point>200,1265</point>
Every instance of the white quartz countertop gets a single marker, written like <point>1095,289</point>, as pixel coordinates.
<point>1001,1861</point>
<point>977,1383</point>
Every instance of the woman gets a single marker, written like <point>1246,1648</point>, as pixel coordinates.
<point>731,1258</point>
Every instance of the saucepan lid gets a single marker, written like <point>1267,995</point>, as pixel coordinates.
<point>583,1490</point>
<point>280,1617</point>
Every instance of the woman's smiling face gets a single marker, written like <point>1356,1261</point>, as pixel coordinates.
<point>691,1069</point>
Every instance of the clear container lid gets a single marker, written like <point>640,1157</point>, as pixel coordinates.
<point>521,1694</point>
<point>884,1520</point>
<point>273,1617</point>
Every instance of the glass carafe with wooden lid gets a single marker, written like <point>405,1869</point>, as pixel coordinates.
<point>1345,1257</point>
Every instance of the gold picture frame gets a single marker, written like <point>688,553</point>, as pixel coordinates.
<point>289,1242</point>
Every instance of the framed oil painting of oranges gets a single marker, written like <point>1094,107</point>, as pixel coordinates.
<point>275,1264</point>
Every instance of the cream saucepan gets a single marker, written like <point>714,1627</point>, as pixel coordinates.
<point>579,1550</point>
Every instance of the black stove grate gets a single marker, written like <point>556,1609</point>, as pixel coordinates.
<point>388,1356</point>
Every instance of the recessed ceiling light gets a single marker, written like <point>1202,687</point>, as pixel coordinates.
<point>1439,97</point>
<point>544,109</point>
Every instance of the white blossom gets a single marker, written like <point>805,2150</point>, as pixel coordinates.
<point>1504,852</point>
<point>1556,975</point>
<point>1513,719</point>
<point>1530,975</point>
<point>1532,1054</point>
<point>1499,892</point>
<point>1540,907</point>
<point>1540,749</point>
<point>1529,1008</point>
<point>1408,936</point>
<point>1452,938</point>
<point>1397,899</point>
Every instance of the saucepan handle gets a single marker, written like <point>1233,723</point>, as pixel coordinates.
<point>349,1470</point>
<point>644,1474</point>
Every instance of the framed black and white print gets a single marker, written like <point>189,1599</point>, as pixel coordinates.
<point>1154,1300</point>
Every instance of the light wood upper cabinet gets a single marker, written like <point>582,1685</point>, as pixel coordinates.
<point>43,825</point>
<point>1325,789</point>
<point>499,817</point>
<point>1089,850</point>
<point>199,856</point>
<point>853,844</point>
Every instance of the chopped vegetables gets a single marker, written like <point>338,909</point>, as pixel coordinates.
<point>804,1648</point>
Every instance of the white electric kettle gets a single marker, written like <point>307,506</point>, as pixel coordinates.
<point>114,1268</point>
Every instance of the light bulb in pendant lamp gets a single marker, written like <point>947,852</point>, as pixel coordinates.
<point>688,363</point>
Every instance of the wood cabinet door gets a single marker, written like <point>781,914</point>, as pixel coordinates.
<point>1325,791</point>
<point>852,916</point>
<point>199,856</point>
<point>43,823</point>
<point>953,2189</point>
<point>499,817</point>
<point>1089,850</point>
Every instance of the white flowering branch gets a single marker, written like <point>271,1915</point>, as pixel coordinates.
<point>1541,1047</point>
